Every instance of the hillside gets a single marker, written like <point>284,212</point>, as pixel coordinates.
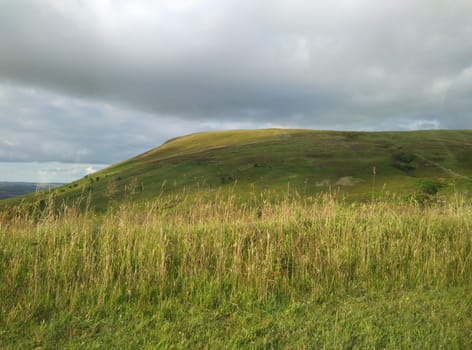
<point>281,160</point>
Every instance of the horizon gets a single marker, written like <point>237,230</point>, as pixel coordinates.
<point>84,85</point>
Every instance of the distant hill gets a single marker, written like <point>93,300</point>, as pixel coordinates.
<point>14,189</point>
<point>281,160</point>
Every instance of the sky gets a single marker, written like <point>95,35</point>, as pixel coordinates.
<point>87,83</point>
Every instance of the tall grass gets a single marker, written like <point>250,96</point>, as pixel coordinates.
<point>219,251</point>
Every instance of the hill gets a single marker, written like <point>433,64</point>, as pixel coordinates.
<point>281,160</point>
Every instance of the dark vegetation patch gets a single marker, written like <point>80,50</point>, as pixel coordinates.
<point>227,179</point>
<point>404,161</point>
<point>351,135</point>
<point>429,186</point>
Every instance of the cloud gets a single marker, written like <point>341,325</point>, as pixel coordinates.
<point>231,60</point>
<point>45,172</point>
<point>423,125</point>
<point>99,81</point>
<point>90,170</point>
<point>36,125</point>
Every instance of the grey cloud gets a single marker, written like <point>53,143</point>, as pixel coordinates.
<point>226,60</point>
<point>37,125</point>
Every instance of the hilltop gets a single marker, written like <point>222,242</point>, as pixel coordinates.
<point>281,160</point>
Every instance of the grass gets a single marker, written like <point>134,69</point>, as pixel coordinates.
<point>223,272</point>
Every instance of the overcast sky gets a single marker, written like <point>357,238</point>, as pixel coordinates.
<point>86,83</point>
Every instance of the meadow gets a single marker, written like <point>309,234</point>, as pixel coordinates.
<point>184,271</point>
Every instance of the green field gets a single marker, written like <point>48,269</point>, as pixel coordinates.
<point>249,239</point>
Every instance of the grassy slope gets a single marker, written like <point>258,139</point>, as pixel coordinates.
<point>319,274</point>
<point>277,159</point>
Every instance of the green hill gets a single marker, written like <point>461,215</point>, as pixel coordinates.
<point>281,160</point>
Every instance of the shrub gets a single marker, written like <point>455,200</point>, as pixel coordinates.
<point>403,161</point>
<point>404,157</point>
<point>429,187</point>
